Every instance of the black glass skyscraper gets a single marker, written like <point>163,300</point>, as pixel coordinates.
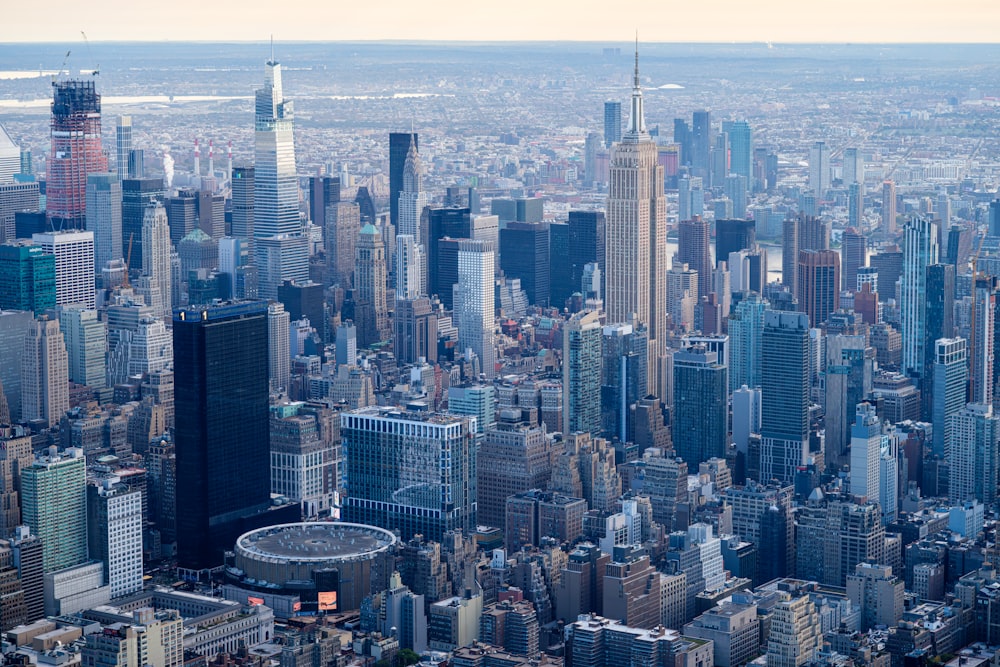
<point>733,236</point>
<point>524,254</point>
<point>399,146</point>
<point>222,433</point>
<point>612,122</point>
<point>136,195</point>
<point>571,247</point>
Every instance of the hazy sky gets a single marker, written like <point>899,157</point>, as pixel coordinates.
<point>479,20</point>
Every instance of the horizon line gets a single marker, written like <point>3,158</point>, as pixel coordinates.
<point>371,41</point>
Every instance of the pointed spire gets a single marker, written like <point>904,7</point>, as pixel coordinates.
<point>636,53</point>
<point>637,119</point>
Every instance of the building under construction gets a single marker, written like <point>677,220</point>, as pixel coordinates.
<point>76,152</point>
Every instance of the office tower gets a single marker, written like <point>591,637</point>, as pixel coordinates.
<point>700,409</point>
<point>104,217</point>
<point>241,277</point>
<point>582,373</point>
<point>856,205</point>
<point>399,149</point>
<point>279,362</point>
<point>951,373</point>
<point>474,400</point>
<point>346,343</point>
<point>14,326</point>
<point>940,317</point>
<point>571,247</point>
<point>54,507</point>
<point>412,471</point>
<point>994,218</point>
<point>123,146</point>
<point>693,249</point>
<point>682,137</point>
<point>74,253</point>
<point>524,254</point>
<point>740,149</point>
<point>182,214</point>
<point>15,456</point>
<point>784,394</point>
<point>701,142</point>
<point>877,593</point>
<point>156,258</point>
<point>973,463</point>
<point>324,192</point>
<point>343,224</point>
<point>636,248</point>
<point>371,310</point>
<point>850,367</point>
<point>690,197</point>
<point>592,146</point>
<point>16,201</point>
<point>682,295</point>
<point>866,447</point>
<point>27,278</point>
<point>412,198</point>
<point>819,169</point>
<point>409,261</point>
<point>114,533</point>
<point>415,335</point>
<point>474,301</point>
<point>746,329</point>
<point>790,253</point>
<point>280,258</point>
<point>623,376</point>
<point>795,636</point>
<point>76,152</point>
<point>305,455</point>
<point>732,236</point>
<point>719,157</point>
<point>746,417</point>
<point>888,208</point>
<point>44,373</point>
<point>276,198</point>
<point>242,184</point>
<point>982,341</point>
<point>854,256</point>
<point>136,194</point>
<point>819,284</point>
<point>612,123</point>
<point>211,212</point>
<point>920,250</point>
<point>514,457</point>
<point>10,157</point>
<point>854,167</point>
<point>221,437</point>
<point>735,186</point>
<point>86,340</point>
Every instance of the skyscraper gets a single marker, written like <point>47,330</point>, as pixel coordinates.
<point>221,438</point>
<point>44,373</point>
<point>27,278</point>
<point>700,415</point>
<point>524,254</point>
<point>733,236</point>
<point>701,142</point>
<point>85,338</point>
<point>636,248</point>
<point>746,328</point>
<point>76,152</point>
<point>740,148</point>
<point>104,217</point>
<point>693,249</point>
<point>324,191</point>
<point>409,273</point>
<point>54,507</point>
<point>850,366</point>
<point>74,253</point>
<point>571,247</point>
<point>136,195</point>
<point>981,340</point>
<point>156,259</point>
<point>866,447</point>
<point>343,224</point>
<point>819,169</point>
<point>123,146</point>
<point>412,198</point>
<point>856,205</point>
<point>279,361</point>
<point>623,376</point>
<point>582,373</point>
<point>371,310</point>
<point>819,284</point>
<point>399,148</point>
<point>114,533</point>
<point>889,208</point>
<point>276,188</point>
<point>474,305</point>
<point>920,250</point>
<point>784,394</point>
<point>411,471</point>
<point>973,463</point>
<point>951,373</point>
<point>854,256</point>
<point>612,123</point>
<point>242,184</point>
<point>18,198</point>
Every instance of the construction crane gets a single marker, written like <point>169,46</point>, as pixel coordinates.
<point>62,67</point>
<point>97,69</point>
<point>128,259</point>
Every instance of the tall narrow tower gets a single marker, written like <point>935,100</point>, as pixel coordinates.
<point>636,251</point>
<point>372,313</point>
<point>276,194</point>
<point>75,130</point>
<point>156,257</point>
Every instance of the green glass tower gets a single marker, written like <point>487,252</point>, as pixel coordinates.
<point>54,506</point>
<point>27,278</point>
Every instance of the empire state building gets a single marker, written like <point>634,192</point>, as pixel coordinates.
<point>636,245</point>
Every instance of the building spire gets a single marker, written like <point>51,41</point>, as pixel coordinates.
<point>637,119</point>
